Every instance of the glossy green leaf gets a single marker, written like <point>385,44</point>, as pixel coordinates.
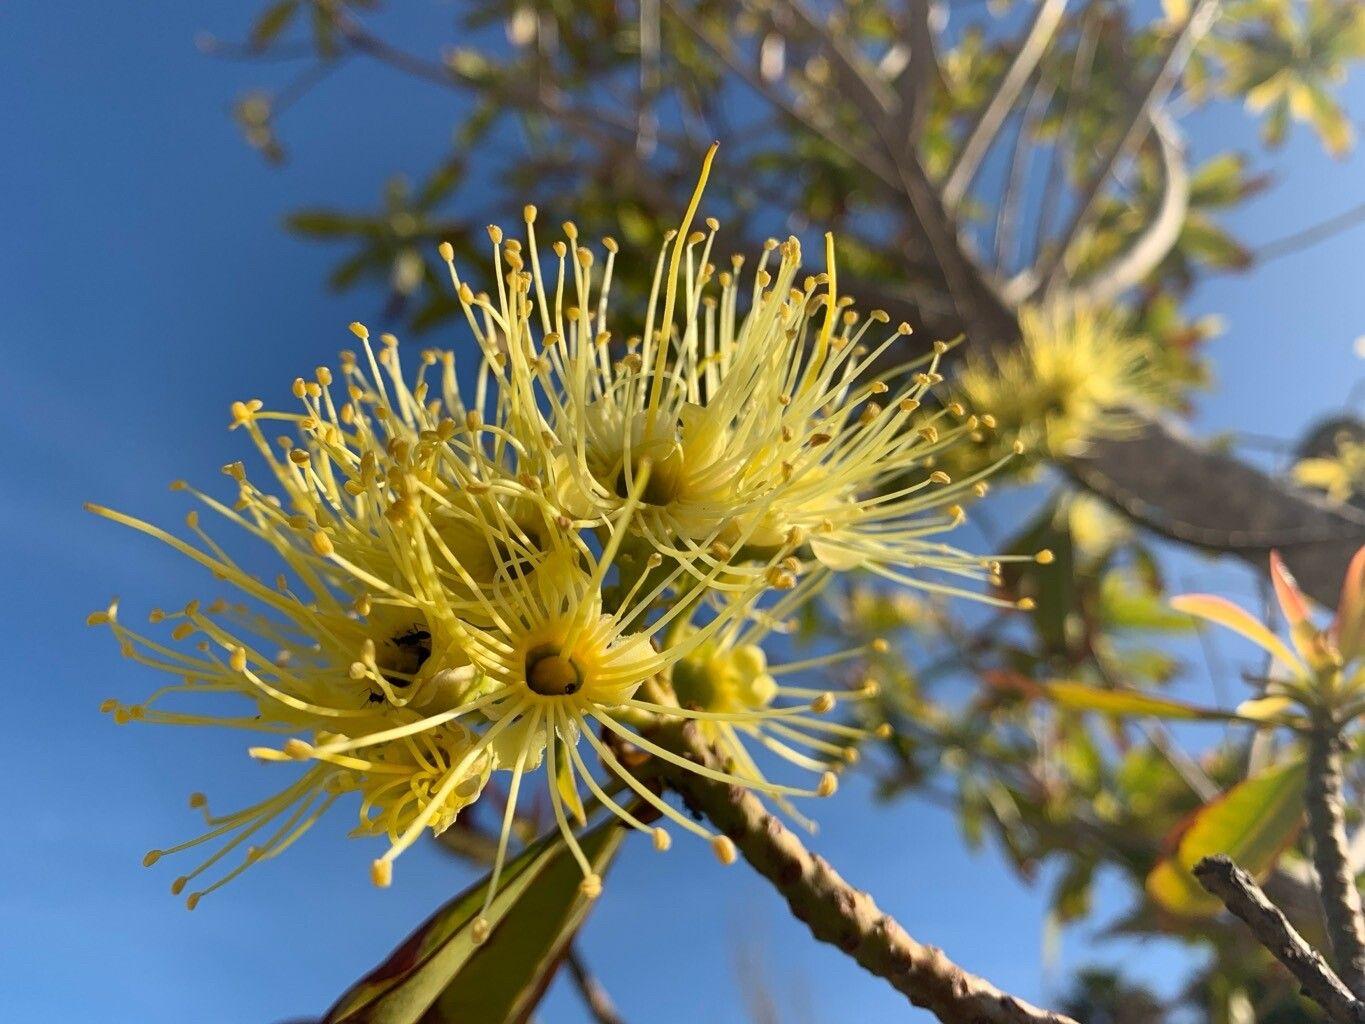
<point>1082,697</point>
<point>1252,823</point>
<point>440,974</point>
<point>327,224</point>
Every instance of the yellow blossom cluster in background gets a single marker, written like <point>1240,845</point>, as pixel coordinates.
<point>1076,376</point>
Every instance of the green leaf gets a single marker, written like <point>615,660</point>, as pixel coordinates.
<point>1082,697</point>
<point>1052,587</point>
<point>1252,823</point>
<point>440,974</point>
<point>327,224</point>
<point>1127,605</point>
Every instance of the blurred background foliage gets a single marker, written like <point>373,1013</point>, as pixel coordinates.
<point>1013,171</point>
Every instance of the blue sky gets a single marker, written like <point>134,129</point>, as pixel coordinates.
<point>146,283</point>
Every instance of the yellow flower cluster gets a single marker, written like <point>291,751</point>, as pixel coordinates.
<point>479,580</point>
<point>1077,374</point>
<point>1340,475</point>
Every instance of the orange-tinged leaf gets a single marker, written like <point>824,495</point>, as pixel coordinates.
<point>1252,823</point>
<point>1308,640</point>
<point>1225,613</point>
<point>1349,627</point>
<point>1287,592</point>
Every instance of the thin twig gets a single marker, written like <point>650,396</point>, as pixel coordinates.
<point>1162,232</point>
<point>1021,156</point>
<point>832,909</point>
<point>1028,52</point>
<point>1241,895</point>
<point>1306,238</point>
<point>1079,80</point>
<point>1201,19</point>
<point>594,996</point>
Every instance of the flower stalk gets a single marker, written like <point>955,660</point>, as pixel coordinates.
<point>834,911</point>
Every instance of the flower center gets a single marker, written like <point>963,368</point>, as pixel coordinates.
<point>550,673</point>
<point>403,656</point>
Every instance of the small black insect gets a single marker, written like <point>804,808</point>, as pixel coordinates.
<point>404,653</point>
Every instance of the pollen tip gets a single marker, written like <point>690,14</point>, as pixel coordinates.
<point>850,755</point>
<point>1026,604</point>
<point>150,858</point>
<point>198,800</point>
<point>662,840</point>
<point>360,331</point>
<point>528,213</point>
<point>1045,557</point>
<point>108,706</point>
<point>829,785</point>
<point>178,886</point>
<point>883,731</point>
<point>381,874</point>
<point>880,646</point>
<point>823,703</point>
<point>591,886</point>
<point>479,930</point>
<point>298,749</point>
<point>724,849</point>
<point>192,900</point>
<point>446,251</point>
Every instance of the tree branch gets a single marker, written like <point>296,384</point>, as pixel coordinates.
<point>1241,895</point>
<point>1336,880</point>
<point>1197,495</point>
<point>1201,19</point>
<point>590,990</point>
<point>1161,235</point>
<point>983,132</point>
<point>833,910</point>
<point>916,83</point>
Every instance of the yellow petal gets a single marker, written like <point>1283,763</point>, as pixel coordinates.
<point>1264,709</point>
<point>1225,613</point>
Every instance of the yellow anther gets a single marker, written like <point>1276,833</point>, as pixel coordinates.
<point>724,849</point>
<point>298,749</point>
<point>381,874</point>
